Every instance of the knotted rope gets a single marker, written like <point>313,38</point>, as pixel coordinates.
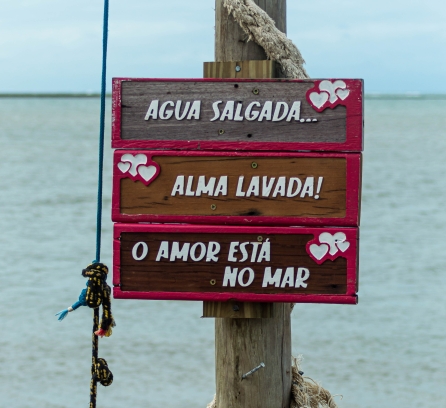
<point>260,28</point>
<point>102,372</point>
<point>98,293</point>
<point>307,393</point>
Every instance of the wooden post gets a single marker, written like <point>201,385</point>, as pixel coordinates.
<point>243,343</point>
<point>231,41</point>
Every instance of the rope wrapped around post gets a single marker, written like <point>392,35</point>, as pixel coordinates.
<point>305,392</point>
<point>260,28</point>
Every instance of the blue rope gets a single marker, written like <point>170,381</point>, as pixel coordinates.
<point>101,133</point>
<point>95,342</point>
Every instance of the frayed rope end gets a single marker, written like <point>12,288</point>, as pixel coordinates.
<point>62,314</point>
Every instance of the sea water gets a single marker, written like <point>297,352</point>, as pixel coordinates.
<point>387,352</point>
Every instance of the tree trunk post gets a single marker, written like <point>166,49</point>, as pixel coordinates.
<point>249,334</point>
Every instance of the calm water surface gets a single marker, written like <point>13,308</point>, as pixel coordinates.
<point>387,352</point>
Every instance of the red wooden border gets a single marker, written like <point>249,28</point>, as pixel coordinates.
<point>352,265</point>
<point>354,124</point>
<point>353,187</point>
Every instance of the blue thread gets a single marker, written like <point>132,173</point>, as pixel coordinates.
<point>101,133</point>
<point>82,300</point>
<point>62,314</point>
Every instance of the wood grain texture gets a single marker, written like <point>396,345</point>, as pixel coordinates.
<point>234,310</point>
<point>337,202</point>
<point>163,276</point>
<point>137,95</point>
<point>178,276</point>
<point>246,69</point>
<point>242,345</point>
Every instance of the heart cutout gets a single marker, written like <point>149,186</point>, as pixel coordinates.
<point>319,251</point>
<point>318,99</point>
<point>124,167</point>
<point>343,246</point>
<point>147,172</point>
<point>343,93</point>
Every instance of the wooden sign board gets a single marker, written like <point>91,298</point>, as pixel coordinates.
<point>237,188</point>
<point>268,264</point>
<point>238,114</point>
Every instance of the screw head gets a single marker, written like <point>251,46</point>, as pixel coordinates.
<point>213,282</point>
<point>238,68</point>
<point>213,207</point>
<point>254,165</point>
<point>221,131</point>
<point>255,91</point>
<point>260,238</point>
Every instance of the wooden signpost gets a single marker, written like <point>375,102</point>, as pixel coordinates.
<point>267,264</point>
<point>238,114</point>
<point>269,170</point>
<point>236,188</point>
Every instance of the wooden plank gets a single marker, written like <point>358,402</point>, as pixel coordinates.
<point>238,114</point>
<point>265,264</point>
<point>236,188</point>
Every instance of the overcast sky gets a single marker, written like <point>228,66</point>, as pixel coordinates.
<point>55,46</point>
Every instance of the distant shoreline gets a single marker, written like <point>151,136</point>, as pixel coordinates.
<point>377,96</point>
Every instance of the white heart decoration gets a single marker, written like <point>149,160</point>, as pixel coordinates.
<point>339,84</point>
<point>147,172</point>
<point>331,87</point>
<point>319,251</point>
<point>124,167</point>
<point>328,86</point>
<point>343,246</point>
<point>343,93</point>
<point>318,99</point>
<point>327,238</point>
<point>135,161</point>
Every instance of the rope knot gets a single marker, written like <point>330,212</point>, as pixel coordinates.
<point>98,293</point>
<point>102,373</point>
<point>96,270</point>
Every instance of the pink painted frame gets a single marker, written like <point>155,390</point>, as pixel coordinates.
<point>353,192</point>
<point>350,297</point>
<point>354,125</point>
